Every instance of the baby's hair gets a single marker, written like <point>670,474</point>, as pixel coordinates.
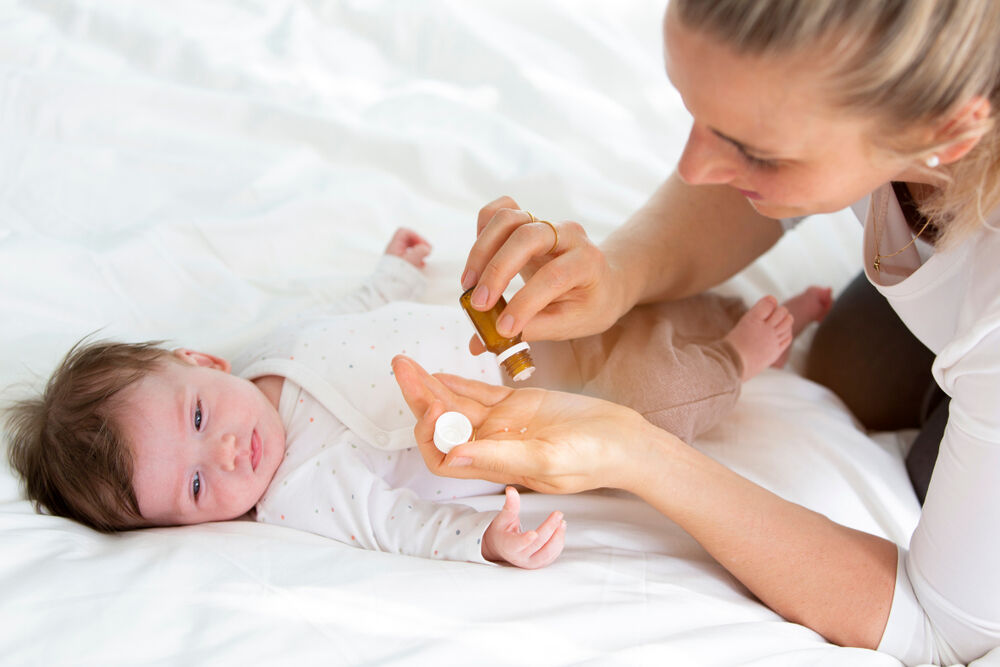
<point>66,444</point>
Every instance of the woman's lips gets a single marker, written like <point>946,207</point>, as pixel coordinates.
<point>256,450</point>
<point>749,194</point>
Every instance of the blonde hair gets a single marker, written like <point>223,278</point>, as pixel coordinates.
<point>65,443</point>
<point>911,63</point>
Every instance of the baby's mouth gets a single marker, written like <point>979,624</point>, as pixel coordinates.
<point>256,449</point>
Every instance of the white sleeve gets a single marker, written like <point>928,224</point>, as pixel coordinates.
<point>394,279</point>
<point>946,606</point>
<point>339,497</point>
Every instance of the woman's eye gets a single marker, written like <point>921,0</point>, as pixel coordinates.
<point>196,485</point>
<point>197,415</point>
<point>759,163</point>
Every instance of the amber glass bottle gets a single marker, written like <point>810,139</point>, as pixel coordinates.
<point>512,353</point>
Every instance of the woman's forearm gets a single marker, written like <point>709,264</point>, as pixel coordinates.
<point>686,239</point>
<point>833,579</point>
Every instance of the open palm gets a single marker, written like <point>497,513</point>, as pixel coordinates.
<point>549,441</point>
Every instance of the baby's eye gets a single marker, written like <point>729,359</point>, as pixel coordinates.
<point>196,485</point>
<point>197,415</point>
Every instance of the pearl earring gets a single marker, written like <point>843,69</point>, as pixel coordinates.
<point>932,161</point>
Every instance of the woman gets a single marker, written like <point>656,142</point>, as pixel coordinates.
<point>799,107</point>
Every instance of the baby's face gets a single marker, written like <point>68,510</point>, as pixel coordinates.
<point>206,443</point>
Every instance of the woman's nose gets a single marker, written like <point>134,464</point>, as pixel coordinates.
<point>706,160</point>
<point>224,452</point>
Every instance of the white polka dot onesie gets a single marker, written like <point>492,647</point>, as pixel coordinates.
<point>352,471</point>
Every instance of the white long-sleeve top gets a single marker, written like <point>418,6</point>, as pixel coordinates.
<point>946,605</point>
<point>351,470</point>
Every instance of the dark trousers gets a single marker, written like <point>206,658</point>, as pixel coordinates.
<point>867,356</point>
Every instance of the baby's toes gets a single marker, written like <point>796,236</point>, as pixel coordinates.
<point>785,326</point>
<point>777,317</point>
<point>763,309</point>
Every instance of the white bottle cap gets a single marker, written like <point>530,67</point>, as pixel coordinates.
<point>451,429</point>
<point>512,350</point>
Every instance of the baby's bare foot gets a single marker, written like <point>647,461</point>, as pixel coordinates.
<point>812,305</point>
<point>762,335</point>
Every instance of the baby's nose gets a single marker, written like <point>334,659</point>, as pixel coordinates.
<point>225,452</point>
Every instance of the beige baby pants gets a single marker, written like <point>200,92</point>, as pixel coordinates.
<point>668,361</point>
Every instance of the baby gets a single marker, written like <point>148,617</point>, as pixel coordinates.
<point>308,429</point>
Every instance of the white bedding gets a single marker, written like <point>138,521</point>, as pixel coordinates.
<point>198,170</point>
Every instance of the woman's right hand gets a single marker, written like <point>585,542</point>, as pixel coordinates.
<point>571,289</point>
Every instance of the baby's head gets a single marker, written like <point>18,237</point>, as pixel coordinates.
<point>132,435</point>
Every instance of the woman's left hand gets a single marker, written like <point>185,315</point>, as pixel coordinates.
<point>549,441</point>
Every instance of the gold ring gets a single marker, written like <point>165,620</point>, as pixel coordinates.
<point>551,226</point>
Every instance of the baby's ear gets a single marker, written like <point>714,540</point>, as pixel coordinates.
<point>202,359</point>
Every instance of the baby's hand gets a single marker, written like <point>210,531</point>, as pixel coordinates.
<point>504,541</point>
<point>410,246</point>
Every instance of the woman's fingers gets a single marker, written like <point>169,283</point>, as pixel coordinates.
<point>476,346</point>
<point>506,245</point>
<point>409,378</point>
<point>507,461</point>
<point>487,212</point>
<point>492,460</point>
<point>500,252</point>
<point>481,392</point>
<point>420,388</point>
<point>428,397</point>
<point>484,248</point>
<point>557,281</point>
<point>559,285</point>
<point>423,433</point>
<point>569,289</point>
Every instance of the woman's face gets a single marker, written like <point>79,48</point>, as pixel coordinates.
<point>765,128</point>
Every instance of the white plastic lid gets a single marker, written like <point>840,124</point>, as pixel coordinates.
<point>451,429</point>
<point>512,350</point>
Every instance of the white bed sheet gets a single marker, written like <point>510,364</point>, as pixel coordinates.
<point>197,170</point>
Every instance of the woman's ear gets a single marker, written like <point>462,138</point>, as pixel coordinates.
<point>202,359</point>
<point>962,131</point>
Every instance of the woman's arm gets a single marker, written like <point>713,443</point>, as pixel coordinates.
<point>686,239</point>
<point>833,579</point>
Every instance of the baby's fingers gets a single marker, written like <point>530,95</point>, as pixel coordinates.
<point>512,501</point>
<point>416,255</point>
<point>544,532</point>
<point>550,550</point>
<point>402,239</point>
